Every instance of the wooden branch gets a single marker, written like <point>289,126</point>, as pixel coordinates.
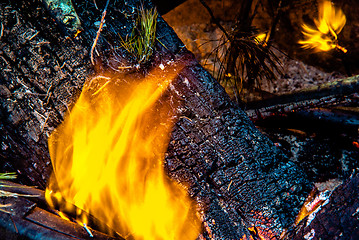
<point>22,217</point>
<point>329,94</point>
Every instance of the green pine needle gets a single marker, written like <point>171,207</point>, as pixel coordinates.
<point>140,43</point>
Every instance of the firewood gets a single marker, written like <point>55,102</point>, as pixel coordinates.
<point>27,209</point>
<point>337,218</point>
<point>27,221</point>
<point>326,95</point>
<point>241,181</point>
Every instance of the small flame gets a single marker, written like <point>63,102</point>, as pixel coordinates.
<point>108,156</point>
<point>324,37</point>
<point>262,38</point>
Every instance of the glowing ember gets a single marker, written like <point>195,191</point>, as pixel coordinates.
<point>108,157</point>
<point>312,204</point>
<point>330,22</point>
<point>262,228</point>
<point>258,233</point>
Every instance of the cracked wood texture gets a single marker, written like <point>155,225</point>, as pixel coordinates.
<point>244,185</point>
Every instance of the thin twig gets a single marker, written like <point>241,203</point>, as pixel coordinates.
<point>99,31</point>
<point>94,2</point>
<point>87,230</point>
<point>214,19</point>
<point>43,126</point>
<point>1,30</point>
<point>13,222</point>
<point>33,36</point>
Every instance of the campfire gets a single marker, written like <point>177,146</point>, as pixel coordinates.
<point>108,158</point>
<point>124,133</point>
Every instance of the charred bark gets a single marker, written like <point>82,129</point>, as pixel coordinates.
<point>164,6</point>
<point>326,95</point>
<point>41,71</point>
<point>338,218</point>
<point>243,183</point>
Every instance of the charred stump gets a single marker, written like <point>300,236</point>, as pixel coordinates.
<point>244,185</point>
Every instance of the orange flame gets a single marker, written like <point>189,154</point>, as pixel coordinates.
<point>324,37</point>
<point>262,38</point>
<point>108,156</point>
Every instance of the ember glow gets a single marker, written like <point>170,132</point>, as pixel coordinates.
<point>313,204</point>
<point>324,37</point>
<point>259,233</point>
<point>108,156</point>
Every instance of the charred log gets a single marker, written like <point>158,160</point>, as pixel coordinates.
<point>24,216</point>
<point>337,218</point>
<point>164,6</point>
<point>237,175</point>
<point>327,95</point>
<point>322,155</point>
<point>324,121</point>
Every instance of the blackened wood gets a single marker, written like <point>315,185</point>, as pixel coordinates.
<point>164,6</point>
<point>337,219</point>
<point>22,219</point>
<point>31,197</point>
<point>329,94</point>
<point>40,73</point>
<point>326,121</point>
<point>237,175</point>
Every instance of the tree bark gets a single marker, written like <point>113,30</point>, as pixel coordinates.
<point>237,175</point>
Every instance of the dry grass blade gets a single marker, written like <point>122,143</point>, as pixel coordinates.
<point>13,194</point>
<point>3,193</point>
<point>5,206</point>
<point>8,194</point>
<point>6,176</point>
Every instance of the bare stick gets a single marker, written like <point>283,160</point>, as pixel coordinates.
<point>99,31</point>
<point>1,30</point>
<point>87,230</point>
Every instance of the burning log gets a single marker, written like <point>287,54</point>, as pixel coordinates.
<point>244,186</point>
<point>23,216</point>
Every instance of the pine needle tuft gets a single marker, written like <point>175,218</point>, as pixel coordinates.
<point>140,43</point>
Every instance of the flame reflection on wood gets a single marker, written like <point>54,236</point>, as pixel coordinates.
<point>108,156</point>
<point>324,37</point>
